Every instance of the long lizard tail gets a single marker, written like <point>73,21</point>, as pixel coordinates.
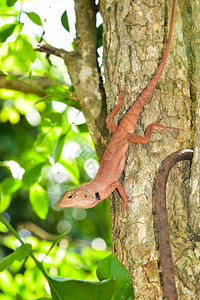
<point>142,99</point>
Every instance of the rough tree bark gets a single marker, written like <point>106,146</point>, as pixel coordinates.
<point>135,34</point>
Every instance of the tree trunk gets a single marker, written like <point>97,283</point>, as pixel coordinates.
<point>135,35</point>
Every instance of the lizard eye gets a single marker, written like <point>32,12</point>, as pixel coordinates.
<point>70,196</point>
<point>85,195</point>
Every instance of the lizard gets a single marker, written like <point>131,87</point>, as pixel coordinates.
<point>114,158</point>
<point>162,220</point>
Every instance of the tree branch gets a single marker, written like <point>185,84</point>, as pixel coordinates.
<point>44,235</point>
<point>51,50</point>
<point>84,72</point>
<point>36,86</point>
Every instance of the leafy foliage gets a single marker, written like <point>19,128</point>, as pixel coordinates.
<point>19,254</point>
<point>114,281</point>
<point>111,268</point>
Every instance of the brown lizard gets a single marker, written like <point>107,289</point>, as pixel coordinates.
<point>113,161</point>
<point>162,220</point>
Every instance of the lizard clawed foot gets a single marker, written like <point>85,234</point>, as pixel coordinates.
<point>164,129</point>
<point>122,92</point>
<point>125,205</point>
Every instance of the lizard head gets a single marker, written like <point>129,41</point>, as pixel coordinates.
<point>77,198</point>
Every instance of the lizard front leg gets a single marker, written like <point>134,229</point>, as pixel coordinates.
<point>116,185</point>
<point>109,121</point>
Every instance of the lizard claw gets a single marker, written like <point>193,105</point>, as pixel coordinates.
<point>125,208</point>
<point>164,129</point>
<point>125,205</point>
<point>122,92</point>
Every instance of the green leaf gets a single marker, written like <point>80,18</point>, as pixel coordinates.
<point>58,147</point>
<point>73,45</point>
<point>6,31</point>
<point>30,75</point>
<point>10,2</point>
<point>82,127</point>
<point>71,289</point>
<point>10,185</point>
<point>35,18</point>
<point>64,21</point>
<point>99,36</point>
<point>19,254</point>
<point>25,47</point>
<point>39,200</point>
<point>110,267</point>
<point>57,240</point>
<point>5,202</point>
<point>72,169</point>
<point>7,188</point>
<point>19,297</point>
<point>22,252</point>
<point>11,77</point>
<point>40,138</point>
<point>20,26</point>
<point>32,173</point>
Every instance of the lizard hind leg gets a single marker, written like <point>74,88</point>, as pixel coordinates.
<point>134,138</point>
